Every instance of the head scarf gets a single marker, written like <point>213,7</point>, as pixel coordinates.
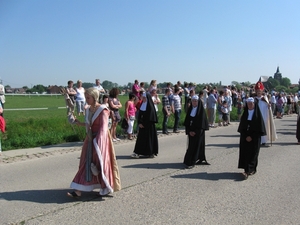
<point>195,97</point>
<point>200,119</point>
<point>250,99</point>
<point>257,122</point>
<point>144,104</point>
<point>149,108</point>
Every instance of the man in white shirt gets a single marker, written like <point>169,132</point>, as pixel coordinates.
<point>101,90</point>
<point>155,99</point>
<point>98,86</point>
<point>273,103</point>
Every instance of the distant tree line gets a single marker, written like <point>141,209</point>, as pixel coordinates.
<point>272,84</point>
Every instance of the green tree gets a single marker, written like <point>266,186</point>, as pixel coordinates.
<point>109,85</point>
<point>285,82</point>
<point>246,84</point>
<point>39,88</point>
<point>87,85</point>
<point>273,83</point>
<point>281,88</point>
<point>236,84</point>
<point>294,90</point>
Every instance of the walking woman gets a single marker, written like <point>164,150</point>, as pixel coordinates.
<point>146,143</point>
<point>251,128</point>
<point>195,126</point>
<point>97,166</point>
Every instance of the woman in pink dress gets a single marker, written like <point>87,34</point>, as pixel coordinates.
<point>98,166</point>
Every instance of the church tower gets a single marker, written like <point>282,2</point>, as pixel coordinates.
<point>277,75</point>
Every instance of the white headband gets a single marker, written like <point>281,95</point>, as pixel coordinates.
<point>250,99</point>
<point>195,97</point>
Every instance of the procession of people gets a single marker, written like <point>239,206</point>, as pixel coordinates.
<point>98,166</point>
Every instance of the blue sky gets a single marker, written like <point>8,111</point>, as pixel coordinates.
<point>52,41</point>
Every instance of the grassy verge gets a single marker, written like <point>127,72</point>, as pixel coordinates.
<point>34,128</point>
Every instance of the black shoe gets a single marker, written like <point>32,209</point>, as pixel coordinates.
<point>176,131</point>
<point>190,167</point>
<point>264,145</point>
<point>202,162</point>
<point>167,133</point>
<point>252,173</point>
<point>245,175</point>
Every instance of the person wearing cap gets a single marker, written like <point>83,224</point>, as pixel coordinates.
<point>251,129</point>
<point>195,126</point>
<point>267,115</point>
<point>147,142</point>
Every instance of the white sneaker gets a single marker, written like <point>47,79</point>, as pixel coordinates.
<point>118,139</point>
<point>114,140</point>
<point>135,156</point>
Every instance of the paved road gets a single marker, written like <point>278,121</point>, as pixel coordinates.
<point>34,183</point>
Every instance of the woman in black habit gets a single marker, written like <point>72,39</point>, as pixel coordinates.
<point>146,143</point>
<point>195,125</point>
<point>298,126</point>
<point>251,128</point>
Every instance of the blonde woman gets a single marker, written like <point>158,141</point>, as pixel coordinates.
<point>152,86</point>
<point>97,152</point>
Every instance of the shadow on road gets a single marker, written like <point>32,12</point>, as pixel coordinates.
<point>157,166</point>
<point>64,145</point>
<point>225,135</point>
<point>225,145</point>
<point>212,176</point>
<point>58,196</point>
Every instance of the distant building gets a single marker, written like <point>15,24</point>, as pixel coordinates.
<point>15,90</point>
<point>53,89</point>
<point>277,75</point>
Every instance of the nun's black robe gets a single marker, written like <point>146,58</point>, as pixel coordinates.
<point>255,128</point>
<point>298,129</point>
<point>147,142</point>
<point>195,152</point>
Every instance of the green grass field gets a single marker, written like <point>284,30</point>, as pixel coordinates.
<point>34,128</point>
